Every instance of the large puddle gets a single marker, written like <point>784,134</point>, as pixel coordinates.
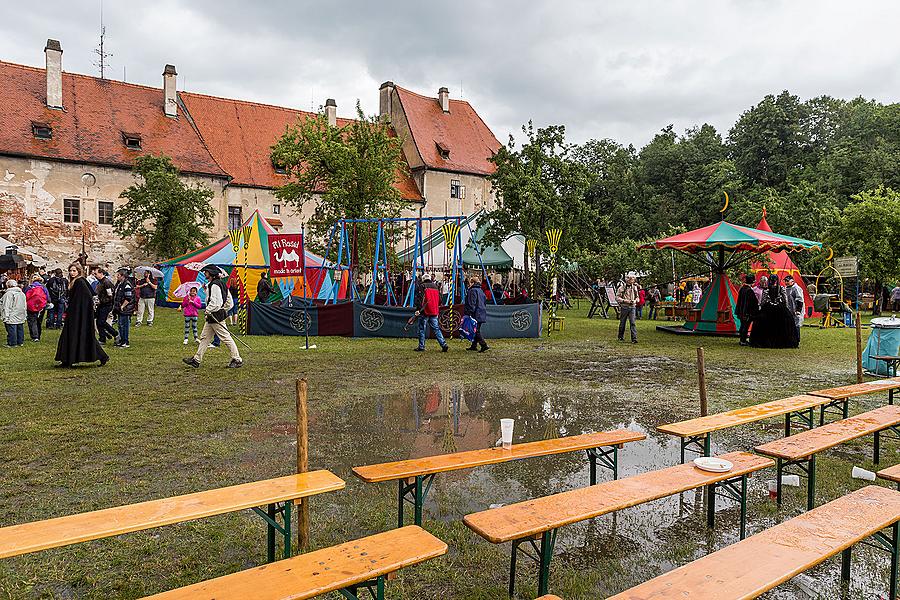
<point>636,543</point>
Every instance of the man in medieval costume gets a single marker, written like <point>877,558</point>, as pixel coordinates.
<point>218,303</point>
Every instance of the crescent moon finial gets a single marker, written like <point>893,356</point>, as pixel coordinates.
<point>724,208</point>
<point>830,254</point>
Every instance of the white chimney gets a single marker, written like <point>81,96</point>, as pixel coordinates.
<point>53,54</point>
<point>171,102</point>
<point>385,96</point>
<point>331,112</point>
<point>444,98</point>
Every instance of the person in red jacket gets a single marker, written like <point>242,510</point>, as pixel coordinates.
<point>36,299</point>
<point>428,305</point>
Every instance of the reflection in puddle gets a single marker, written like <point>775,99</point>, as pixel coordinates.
<point>629,546</point>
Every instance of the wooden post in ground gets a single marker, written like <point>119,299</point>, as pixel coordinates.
<point>302,463</point>
<point>701,375</point>
<point>859,369</point>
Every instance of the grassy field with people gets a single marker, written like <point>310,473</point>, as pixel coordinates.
<point>147,426</point>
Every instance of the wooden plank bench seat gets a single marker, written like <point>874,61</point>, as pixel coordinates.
<point>549,597</point>
<point>696,433</point>
<point>861,389</point>
<point>278,495</point>
<point>800,450</point>
<point>761,562</point>
<point>536,522</point>
<point>416,475</point>
<point>350,568</point>
<point>890,474</point>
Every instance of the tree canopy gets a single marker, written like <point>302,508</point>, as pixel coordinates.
<point>165,215</point>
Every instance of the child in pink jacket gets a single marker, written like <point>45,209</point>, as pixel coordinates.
<point>191,306</point>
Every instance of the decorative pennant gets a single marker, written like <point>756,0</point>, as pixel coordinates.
<point>451,230</point>
<point>235,236</point>
<point>553,237</point>
<point>532,246</point>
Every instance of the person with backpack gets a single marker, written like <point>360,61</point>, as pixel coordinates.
<point>428,306</point>
<point>37,298</point>
<point>13,312</point>
<point>476,308</point>
<point>124,305</point>
<point>218,303</point>
<point>628,295</point>
<point>58,287</point>
<point>105,290</point>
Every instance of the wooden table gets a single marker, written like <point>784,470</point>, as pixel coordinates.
<point>349,568</point>
<point>861,389</point>
<point>416,475</point>
<point>277,494</point>
<point>761,562</point>
<point>890,474</point>
<point>890,361</point>
<point>696,433</point>
<point>536,522</point>
<point>801,449</point>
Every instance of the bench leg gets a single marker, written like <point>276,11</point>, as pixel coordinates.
<point>895,558</point>
<point>845,571</point>
<point>270,516</point>
<point>743,506</point>
<point>270,535</point>
<point>605,457</point>
<point>877,446</point>
<point>702,445</point>
<point>779,471</point>
<point>811,483</point>
<point>729,488</point>
<point>375,587</point>
<point>414,493</point>
<point>543,553</point>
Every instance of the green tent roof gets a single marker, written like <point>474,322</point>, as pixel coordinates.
<point>491,256</point>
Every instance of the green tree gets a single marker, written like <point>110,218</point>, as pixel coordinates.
<point>541,187</point>
<point>166,216</point>
<point>347,172</point>
<point>870,229</point>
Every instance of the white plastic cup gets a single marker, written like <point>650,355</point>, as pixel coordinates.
<point>858,473</point>
<point>506,432</point>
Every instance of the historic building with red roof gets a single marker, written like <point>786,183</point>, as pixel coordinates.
<point>68,143</point>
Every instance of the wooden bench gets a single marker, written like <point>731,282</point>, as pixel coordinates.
<point>416,475</point>
<point>549,597</point>
<point>537,521</point>
<point>278,495</point>
<point>760,563</point>
<point>890,474</point>
<point>889,360</point>
<point>349,568</point>
<point>861,389</point>
<point>801,449</point>
<point>696,433</point>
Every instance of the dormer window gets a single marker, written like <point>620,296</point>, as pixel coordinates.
<point>41,131</point>
<point>443,150</point>
<point>132,141</point>
<point>279,168</point>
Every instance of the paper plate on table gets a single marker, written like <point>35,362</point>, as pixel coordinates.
<point>713,464</point>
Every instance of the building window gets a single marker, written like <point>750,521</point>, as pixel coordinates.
<point>132,141</point>
<point>71,210</point>
<point>105,213</point>
<point>457,190</point>
<point>234,217</point>
<point>276,209</point>
<point>443,150</point>
<point>42,131</point>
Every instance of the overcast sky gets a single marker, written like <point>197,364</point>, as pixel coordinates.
<point>617,69</point>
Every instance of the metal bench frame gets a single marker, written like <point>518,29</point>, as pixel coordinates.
<point>270,516</point>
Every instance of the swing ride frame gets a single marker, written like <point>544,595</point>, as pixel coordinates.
<point>343,234</point>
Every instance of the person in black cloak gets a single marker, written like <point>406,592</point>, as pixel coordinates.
<point>775,326</point>
<point>77,341</point>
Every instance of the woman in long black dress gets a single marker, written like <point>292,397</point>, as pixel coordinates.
<point>775,327</point>
<point>78,342</point>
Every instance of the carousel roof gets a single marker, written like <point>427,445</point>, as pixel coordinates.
<point>728,236</point>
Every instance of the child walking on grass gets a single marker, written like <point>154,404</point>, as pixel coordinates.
<point>191,306</point>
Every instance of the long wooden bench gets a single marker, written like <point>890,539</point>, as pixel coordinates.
<point>416,475</point>
<point>349,568</point>
<point>277,495</point>
<point>537,521</point>
<point>862,389</point>
<point>696,433</point>
<point>800,450</point>
<point>761,562</point>
<point>891,474</point>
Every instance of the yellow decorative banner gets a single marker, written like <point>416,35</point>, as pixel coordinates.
<point>451,230</point>
<point>531,245</point>
<point>235,236</point>
<point>248,232</point>
<point>553,237</point>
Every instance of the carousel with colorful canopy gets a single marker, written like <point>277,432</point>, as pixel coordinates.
<point>720,247</point>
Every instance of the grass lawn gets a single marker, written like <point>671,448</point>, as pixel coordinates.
<point>146,426</point>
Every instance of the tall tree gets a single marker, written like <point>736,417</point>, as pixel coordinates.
<point>166,216</point>
<point>347,172</point>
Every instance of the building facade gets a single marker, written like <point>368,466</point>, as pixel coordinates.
<point>68,143</point>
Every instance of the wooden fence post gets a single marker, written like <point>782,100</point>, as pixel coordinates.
<point>701,374</point>
<point>302,463</point>
<point>859,368</point>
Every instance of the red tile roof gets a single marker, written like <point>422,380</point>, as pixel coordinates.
<point>461,131</point>
<point>240,135</point>
<point>89,129</point>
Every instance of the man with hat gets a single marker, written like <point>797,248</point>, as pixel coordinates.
<point>218,303</point>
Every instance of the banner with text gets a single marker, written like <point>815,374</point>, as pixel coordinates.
<point>286,257</point>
